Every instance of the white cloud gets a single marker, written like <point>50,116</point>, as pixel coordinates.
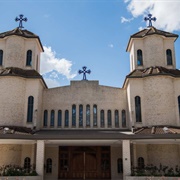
<point>167,12</point>
<point>111,45</point>
<point>50,62</point>
<point>123,19</point>
<point>51,83</point>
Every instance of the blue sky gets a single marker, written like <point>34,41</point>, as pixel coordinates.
<point>93,33</point>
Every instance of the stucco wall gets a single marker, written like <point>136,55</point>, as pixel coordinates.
<point>53,153</point>
<point>10,154</point>
<point>154,51</point>
<point>15,49</point>
<point>85,92</point>
<point>116,152</point>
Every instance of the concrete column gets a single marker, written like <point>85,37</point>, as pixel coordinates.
<point>40,153</point>
<point>126,158</point>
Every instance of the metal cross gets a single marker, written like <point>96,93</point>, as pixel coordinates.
<point>149,18</point>
<point>84,71</point>
<point>21,19</point>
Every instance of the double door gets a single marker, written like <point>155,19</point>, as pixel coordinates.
<point>84,162</point>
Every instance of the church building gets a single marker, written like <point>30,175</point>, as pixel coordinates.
<point>86,130</point>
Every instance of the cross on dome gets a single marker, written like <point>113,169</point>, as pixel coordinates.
<point>149,18</point>
<point>21,19</point>
<point>84,71</point>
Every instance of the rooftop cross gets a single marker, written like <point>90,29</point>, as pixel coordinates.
<point>149,18</point>
<point>21,19</point>
<point>84,71</point>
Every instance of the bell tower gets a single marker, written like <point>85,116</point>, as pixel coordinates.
<point>20,48</point>
<point>152,47</point>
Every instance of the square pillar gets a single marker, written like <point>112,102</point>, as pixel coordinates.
<point>126,158</point>
<point>40,152</point>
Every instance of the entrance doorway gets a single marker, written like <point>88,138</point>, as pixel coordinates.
<point>84,162</point>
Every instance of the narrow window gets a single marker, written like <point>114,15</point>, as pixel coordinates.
<point>45,118</point>
<point>80,115</point>
<point>30,109</point>
<point>120,165</point>
<point>102,118</point>
<point>59,118</point>
<point>1,57</point>
<point>66,118</point>
<point>73,115</point>
<point>116,115</point>
<point>88,115</point>
<point>109,118</point>
<point>138,109</point>
<point>52,118</point>
<point>141,163</point>
<point>123,118</point>
<point>27,164</point>
<point>29,58</point>
<point>169,57</point>
<point>139,57</point>
<point>95,115</point>
<point>49,165</point>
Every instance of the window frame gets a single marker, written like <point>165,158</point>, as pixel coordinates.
<point>29,58</point>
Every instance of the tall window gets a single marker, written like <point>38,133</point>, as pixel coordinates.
<point>27,164</point>
<point>45,118</point>
<point>49,165</point>
<point>73,115</point>
<point>179,104</point>
<point>1,57</point>
<point>80,115</point>
<point>120,165</point>
<point>52,118</point>
<point>102,118</point>
<point>66,118</point>
<point>29,58</point>
<point>109,118</point>
<point>30,109</point>
<point>88,115</point>
<point>116,116</point>
<point>95,115</point>
<point>123,118</point>
<point>59,118</point>
<point>141,162</point>
<point>139,57</point>
<point>169,57</point>
<point>138,109</point>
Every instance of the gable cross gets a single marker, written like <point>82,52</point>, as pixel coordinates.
<point>149,18</point>
<point>21,19</point>
<point>84,71</point>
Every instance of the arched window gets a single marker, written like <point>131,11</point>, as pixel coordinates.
<point>102,118</point>
<point>116,116</point>
<point>49,165</point>
<point>66,118</point>
<point>80,115</point>
<point>95,115</point>
<point>52,118</point>
<point>169,57</point>
<point>139,57</point>
<point>138,109</point>
<point>59,118</point>
<point>123,118</point>
<point>88,115</point>
<point>141,163</point>
<point>29,58</point>
<point>73,115</point>
<point>120,165</point>
<point>45,118</point>
<point>109,118</point>
<point>1,57</point>
<point>27,164</point>
<point>30,109</point>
